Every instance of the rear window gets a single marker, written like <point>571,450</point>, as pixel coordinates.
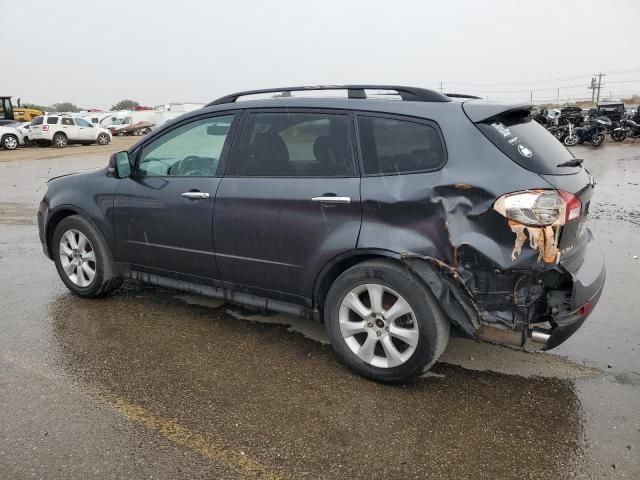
<point>392,146</point>
<point>527,143</point>
<point>37,121</point>
<point>52,120</point>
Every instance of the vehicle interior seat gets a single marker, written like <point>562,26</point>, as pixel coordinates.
<point>269,156</point>
<point>333,157</point>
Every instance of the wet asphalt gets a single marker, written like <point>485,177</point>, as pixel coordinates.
<point>151,383</point>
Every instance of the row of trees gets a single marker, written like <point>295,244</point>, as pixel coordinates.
<point>70,107</point>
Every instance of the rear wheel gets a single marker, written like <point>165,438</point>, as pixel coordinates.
<point>9,142</point>
<point>384,323</point>
<point>60,140</point>
<point>82,258</point>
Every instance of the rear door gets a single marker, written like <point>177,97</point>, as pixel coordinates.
<point>69,128</point>
<point>164,211</point>
<point>290,202</point>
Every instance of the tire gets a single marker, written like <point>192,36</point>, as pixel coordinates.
<point>618,136</point>
<point>425,316</point>
<point>103,139</point>
<point>60,140</point>
<point>571,140</point>
<point>9,142</point>
<point>103,280</point>
<point>597,140</point>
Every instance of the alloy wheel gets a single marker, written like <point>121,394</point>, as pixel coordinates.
<point>378,325</point>
<point>77,258</point>
<point>10,143</point>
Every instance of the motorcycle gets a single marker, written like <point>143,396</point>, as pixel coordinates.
<point>628,129</point>
<point>593,132</point>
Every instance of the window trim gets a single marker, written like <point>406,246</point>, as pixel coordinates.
<point>404,118</point>
<point>243,132</point>
<point>136,152</point>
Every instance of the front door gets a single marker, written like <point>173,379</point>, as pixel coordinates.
<point>86,131</point>
<point>164,211</point>
<point>69,128</point>
<point>290,204</point>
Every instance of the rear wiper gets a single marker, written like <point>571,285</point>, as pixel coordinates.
<point>574,162</point>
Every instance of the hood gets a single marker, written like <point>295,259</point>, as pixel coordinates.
<point>92,172</point>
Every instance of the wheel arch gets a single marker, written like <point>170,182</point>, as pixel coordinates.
<point>60,213</point>
<point>336,266</point>
<point>454,298</point>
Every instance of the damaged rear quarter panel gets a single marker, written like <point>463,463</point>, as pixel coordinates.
<point>447,215</point>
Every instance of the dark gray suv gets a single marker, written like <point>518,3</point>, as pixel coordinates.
<point>395,215</point>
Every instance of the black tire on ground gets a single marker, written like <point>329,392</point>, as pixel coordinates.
<point>9,142</point>
<point>59,140</point>
<point>104,281</point>
<point>597,140</point>
<point>433,327</point>
<point>103,139</point>
<point>618,136</point>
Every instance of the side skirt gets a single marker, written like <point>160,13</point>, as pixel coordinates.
<point>240,298</point>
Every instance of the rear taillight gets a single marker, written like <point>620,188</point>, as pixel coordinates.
<point>539,208</point>
<point>45,128</point>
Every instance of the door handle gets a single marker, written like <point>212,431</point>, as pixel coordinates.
<point>331,199</point>
<point>195,195</point>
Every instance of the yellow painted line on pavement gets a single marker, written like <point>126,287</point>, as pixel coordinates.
<point>180,435</point>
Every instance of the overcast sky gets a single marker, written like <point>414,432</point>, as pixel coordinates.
<point>96,53</point>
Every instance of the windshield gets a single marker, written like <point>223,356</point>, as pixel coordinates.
<point>528,143</point>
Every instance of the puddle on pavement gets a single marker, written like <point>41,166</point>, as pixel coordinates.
<point>285,400</point>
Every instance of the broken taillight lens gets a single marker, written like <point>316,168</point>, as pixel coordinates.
<point>539,208</point>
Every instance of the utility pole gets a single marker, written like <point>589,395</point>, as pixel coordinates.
<point>441,87</point>
<point>558,97</point>
<point>592,87</point>
<point>599,75</point>
<point>531,98</point>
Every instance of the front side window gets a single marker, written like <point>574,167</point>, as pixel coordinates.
<point>82,123</point>
<point>391,146</point>
<point>297,145</point>
<point>193,149</point>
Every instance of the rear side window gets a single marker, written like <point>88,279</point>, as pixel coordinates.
<point>52,120</point>
<point>297,145</point>
<point>527,143</point>
<point>391,146</point>
<point>37,121</point>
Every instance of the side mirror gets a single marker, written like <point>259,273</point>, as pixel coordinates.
<point>119,165</point>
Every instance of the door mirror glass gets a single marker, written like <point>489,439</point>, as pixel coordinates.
<point>119,165</point>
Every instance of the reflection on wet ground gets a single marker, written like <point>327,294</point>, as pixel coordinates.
<point>287,403</point>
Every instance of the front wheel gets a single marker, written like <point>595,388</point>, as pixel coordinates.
<point>103,139</point>
<point>571,140</point>
<point>82,258</point>
<point>384,323</point>
<point>597,139</point>
<point>618,135</point>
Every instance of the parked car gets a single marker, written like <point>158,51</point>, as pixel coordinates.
<point>383,219</point>
<point>62,130</point>
<point>11,136</point>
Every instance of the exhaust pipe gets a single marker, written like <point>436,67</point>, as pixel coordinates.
<point>539,336</point>
<point>503,336</point>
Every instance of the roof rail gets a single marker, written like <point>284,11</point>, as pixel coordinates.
<point>413,94</point>
<point>462,95</point>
